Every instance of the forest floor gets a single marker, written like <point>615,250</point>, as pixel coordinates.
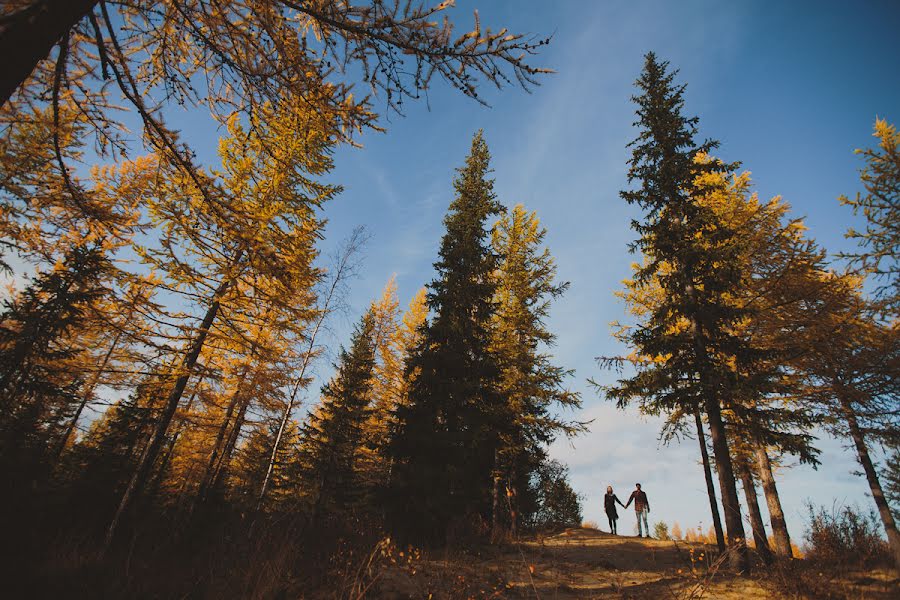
<point>586,563</point>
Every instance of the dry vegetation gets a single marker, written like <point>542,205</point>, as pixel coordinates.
<point>586,563</point>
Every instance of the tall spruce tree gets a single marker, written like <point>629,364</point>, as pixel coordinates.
<point>334,438</point>
<point>446,436</point>
<point>692,255</point>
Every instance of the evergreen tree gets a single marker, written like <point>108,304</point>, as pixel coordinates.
<point>252,252</point>
<point>557,504</point>
<point>890,475</point>
<point>529,383</point>
<point>879,252</point>
<point>446,436</point>
<point>857,391</point>
<point>102,462</point>
<point>334,439</point>
<point>38,392</point>
<point>286,482</point>
<point>688,337</point>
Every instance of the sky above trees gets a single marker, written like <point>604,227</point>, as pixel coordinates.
<point>790,90</point>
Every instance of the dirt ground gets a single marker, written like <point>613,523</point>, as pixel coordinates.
<point>586,563</point>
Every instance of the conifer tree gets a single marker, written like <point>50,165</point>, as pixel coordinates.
<point>107,455</point>
<point>250,249</point>
<point>558,505</point>
<point>334,439</point>
<point>530,384</point>
<point>38,388</point>
<point>783,299</point>
<point>891,476</point>
<point>286,481</point>
<point>389,360</point>
<point>447,434</point>
<point>857,391</point>
<point>879,252</point>
<point>692,255</point>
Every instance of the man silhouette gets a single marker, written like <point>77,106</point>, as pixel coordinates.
<point>641,508</point>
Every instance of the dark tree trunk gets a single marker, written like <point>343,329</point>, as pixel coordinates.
<point>213,462</point>
<point>776,513</point>
<point>862,454</point>
<point>496,535</point>
<point>170,450</point>
<point>512,500</point>
<point>88,393</point>
<point>150,453</point>
<point>710,488</point>
<point>230,444</point>
<point>756,521</point>
<point>739,558</point>
<point>28,35</point>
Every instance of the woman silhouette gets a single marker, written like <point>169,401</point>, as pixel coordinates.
<point>609,503</point>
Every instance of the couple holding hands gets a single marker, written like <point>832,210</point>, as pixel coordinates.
<point>641,509</point>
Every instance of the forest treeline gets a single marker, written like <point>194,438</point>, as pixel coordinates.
<point>156,361</point>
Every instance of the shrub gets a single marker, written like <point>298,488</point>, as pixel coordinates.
<point>559,505</point>
<point>843,536</point>
<point>661,531</point>
<point>590,525</point>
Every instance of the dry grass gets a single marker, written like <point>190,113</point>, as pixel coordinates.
<point>286,560</point>
<point>585,563</point>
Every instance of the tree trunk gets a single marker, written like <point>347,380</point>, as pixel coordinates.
<point>513,502</point>
<point>307,358</point>
<point>150,453</point>
<point>212,463</point>
<point>161,471</point>
<point>739,558</point>
<point>710,488</point>
<point>287,412</point>
<point>495,501</point>
<point>776,513</point>
<point>862,454</point>
<point>230,444</point>
<point>88,393</point>
<point>756,521</point>
<point>28,35</point>
<point>343,266</point>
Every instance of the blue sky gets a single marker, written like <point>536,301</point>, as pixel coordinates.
<point>790,89</point>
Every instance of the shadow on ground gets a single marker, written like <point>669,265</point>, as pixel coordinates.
<point>586,563</point>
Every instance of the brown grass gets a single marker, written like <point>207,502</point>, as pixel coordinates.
<point>586,563</point>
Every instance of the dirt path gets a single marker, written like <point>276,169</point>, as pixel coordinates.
<point>586,563</point>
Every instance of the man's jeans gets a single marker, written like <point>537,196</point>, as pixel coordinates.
<point>642,514</point>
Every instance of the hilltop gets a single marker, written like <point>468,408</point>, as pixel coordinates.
<point>587,563</point>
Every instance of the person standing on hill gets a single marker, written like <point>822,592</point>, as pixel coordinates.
<point>609,503</point>
<point>641,508</point>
